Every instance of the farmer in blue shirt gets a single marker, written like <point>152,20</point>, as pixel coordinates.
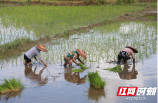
<point>35,51</point>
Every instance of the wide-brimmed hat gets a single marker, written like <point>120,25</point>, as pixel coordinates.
<point>133,49</point>
<point>42,48</point>
<point>82,53</point>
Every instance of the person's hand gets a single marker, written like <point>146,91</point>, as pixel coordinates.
<point>82,62</point>
<point>78,64</point>
<point>45,64</point>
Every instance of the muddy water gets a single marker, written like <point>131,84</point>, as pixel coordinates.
<point>149,15</point>
<point>57,84</point>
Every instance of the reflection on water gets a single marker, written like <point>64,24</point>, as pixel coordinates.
<point>31,74</point>
<point>126,74</point>
<point>11,95</point>
<point>95,94</point>
<point>74,77</point>
<point>10,33</point>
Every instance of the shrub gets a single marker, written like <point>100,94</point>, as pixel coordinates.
<point>120,2</point>
<point>29,2</point>
<point>130,1</point>
<point>93,2</point>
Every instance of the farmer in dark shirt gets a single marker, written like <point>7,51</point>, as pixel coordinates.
<point>35,51</point>
<point>125,54</point>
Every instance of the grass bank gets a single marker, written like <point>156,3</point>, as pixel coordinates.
<point>77,70</point>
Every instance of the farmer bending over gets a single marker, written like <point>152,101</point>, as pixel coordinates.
<point>73,55</point>
<point>126,53</point>
<point>35,51</point>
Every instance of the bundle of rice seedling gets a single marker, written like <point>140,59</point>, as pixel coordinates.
<point>95,80</point>
<point>115,69</point>
<point>11,85</point>
<point>77,70</point>
<point>82,66</point>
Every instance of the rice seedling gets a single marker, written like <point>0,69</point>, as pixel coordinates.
<point>95,80</point>
<point>151,17</point>
<point>11,85</point>
<point>77,70</point>
<point>82,66</point>
<point>117,68</point>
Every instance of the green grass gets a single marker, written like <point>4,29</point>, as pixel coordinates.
<point>12,48</point>
<point>114,41</point>
<point>51,20</point>
<point>117,68</point>
<point>8,46</point>
<point>95,80</point>
<point>77,70</point>
<point>48,21</point>
<point>151,17</point>
<point>11,85</point>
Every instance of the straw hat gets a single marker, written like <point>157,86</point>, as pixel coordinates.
<point>133,49</point>
<point>82,53</point>
<point>42,48</point>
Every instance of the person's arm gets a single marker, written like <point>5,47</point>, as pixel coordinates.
<point>35,57</point>
<point>74,58</point>
<point>75,61</point>
<point>80,60</point>
<point>39,56</point>
<point>133,57</point>
<point>43,62</point>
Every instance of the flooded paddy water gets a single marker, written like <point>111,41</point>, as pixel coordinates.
<point>57,84</point>
<point>10,33</point>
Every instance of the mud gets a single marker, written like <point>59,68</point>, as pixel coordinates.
<point>138,16</point>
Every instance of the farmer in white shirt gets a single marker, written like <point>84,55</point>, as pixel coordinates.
<point>35,51</point>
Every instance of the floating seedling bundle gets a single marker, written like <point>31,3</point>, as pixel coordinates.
<point>117,68</point>
<point>77,70</point>
<point>80,70</point>
<point>11,85</point>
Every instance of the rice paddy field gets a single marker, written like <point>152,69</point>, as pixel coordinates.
<point>56,83</point>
